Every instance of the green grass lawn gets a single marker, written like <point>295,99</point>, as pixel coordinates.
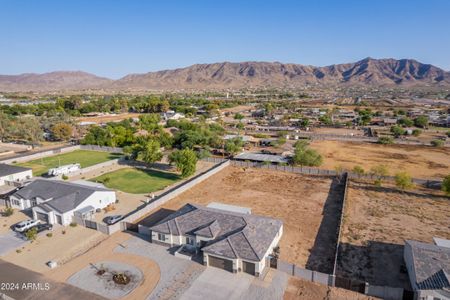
<point>137,181</point>
<point>84,157</point>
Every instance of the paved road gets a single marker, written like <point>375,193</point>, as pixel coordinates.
<point>23,284</point>
<point>10,241</point>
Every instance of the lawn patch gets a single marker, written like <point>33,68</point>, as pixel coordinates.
<point>84,157</point>
<point>137,181</point>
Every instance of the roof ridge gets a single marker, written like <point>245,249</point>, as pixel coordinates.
<point>250,244</point>
<point>232,248</point>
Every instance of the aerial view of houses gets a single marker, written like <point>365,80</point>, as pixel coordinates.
<point>225,150</point>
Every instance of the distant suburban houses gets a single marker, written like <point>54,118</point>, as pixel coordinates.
<point>231,240</point>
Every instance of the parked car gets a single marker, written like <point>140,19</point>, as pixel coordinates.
<point>112,219</point>
<point>42,227</point>
<point>25,225</point>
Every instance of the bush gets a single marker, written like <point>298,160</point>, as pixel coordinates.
<point>403,180</point>
<point>65,177</point>
<point>73,224</point>
<point>416,132</point>
<point>49,234</point>
<point>31,234</point>
<point>18,251</point>
<point>63,232</point>
<point>385,140</point>
<point>7,212</point>
<point>446,185</point>
<point>437,143</point>
<point>358,170</point>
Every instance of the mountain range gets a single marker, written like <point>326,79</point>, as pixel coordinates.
<point>229,75</point>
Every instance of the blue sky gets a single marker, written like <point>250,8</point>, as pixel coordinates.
<point>114,38</point>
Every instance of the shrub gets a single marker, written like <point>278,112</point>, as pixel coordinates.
<point>63,232</point>
<point>416,132</point>
<point>403,180</point>
<point>73,224</point>
<point>358,170</point>
<point>65,177</point>
<point>7,212</point>
<point>31,234</point>
<point>385,140</point>
<point>437,143</point>
<point>446,185</point>
<point>18,251</point>
<point>49,234</point>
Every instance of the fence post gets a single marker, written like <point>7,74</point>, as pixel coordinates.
<point>293,270</point>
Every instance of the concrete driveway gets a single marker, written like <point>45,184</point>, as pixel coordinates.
<point>10,241</point>
<point>218,284</point>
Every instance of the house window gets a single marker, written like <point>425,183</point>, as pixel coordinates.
<point>161,237</point>
<point>16,202</point>
<point>190,241</point>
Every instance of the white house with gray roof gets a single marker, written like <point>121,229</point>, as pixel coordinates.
<point>14,173</point>
<point>56,201</point>
<point>428,268</point>
<point>236,242</point>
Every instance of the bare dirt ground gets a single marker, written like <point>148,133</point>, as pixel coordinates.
<point>377,222</point>
<point>339,131</point>
<point>306,290</point>
<point>60,247</point>
<point>301,202</point>
<point>419,161</point>
<point>108,118</point>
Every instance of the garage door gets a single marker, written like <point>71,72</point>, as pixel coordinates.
<point>41,216</point>
<point>248,267</point>
<point>220,263</point>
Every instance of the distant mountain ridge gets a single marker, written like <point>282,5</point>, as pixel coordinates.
<point>228,75</point>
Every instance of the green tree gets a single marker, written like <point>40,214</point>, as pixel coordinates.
<point>416,132</point>
<point>379,171</point>
<point>305,156</point>
<point>403,180</point>
<point>446,185</point>
<point>406,122</point>
<point>421,121</point>
<point>62,131</point>
<point>185,160</point>
<point>151,152</point>
<point>234,145</point>
<point>397,131</point>
<point>385,140</point>
<point>238,116</point>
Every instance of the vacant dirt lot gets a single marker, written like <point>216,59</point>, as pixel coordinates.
<point>306,290</point>
<point>419,161</point>
<point>301,202</point>
<point>376,224</point>
<point>108,118</point>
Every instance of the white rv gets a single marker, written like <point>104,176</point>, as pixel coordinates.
<point>64,170</point>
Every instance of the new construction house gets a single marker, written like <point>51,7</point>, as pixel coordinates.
<point>226,238</point>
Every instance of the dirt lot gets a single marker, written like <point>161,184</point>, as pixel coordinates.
<point>306,290</point>
<point>376,224</point>
<point>338,131</point>
<point>108,118</point>
<point>301,202</point>
<point>419,161</point>
<point>60,247</point>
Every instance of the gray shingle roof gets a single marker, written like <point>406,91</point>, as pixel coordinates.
<point>64,196</point>
<point>6,170</point>
<point>431,265</point>
<point>235,235</point>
